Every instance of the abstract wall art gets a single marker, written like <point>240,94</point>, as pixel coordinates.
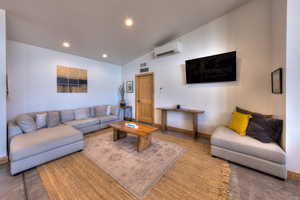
<point>71,80</point>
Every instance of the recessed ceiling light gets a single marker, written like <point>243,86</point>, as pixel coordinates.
<point>104,55</point>
<point>128,22</point>
<point>66,44</point>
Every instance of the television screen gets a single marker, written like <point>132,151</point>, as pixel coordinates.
<point>218,68</point>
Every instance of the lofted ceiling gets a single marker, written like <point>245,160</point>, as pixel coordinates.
<point>94,27</point>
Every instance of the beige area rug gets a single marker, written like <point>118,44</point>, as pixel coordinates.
<point>195,175</point>
<point>138,172</point>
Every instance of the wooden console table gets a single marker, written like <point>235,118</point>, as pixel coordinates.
<point>191,111</point>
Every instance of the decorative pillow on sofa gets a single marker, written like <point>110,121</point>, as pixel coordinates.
<point>26,123</point>
<point>67,115</point>
<point>101,110</point>
<point>108,110</point>
<point>53,119</point>
<point>239,122</point>
<point>263,127</point>
<point>115,110</point>
<point>41,120</point>
<point>82,113</point>
<point>92,112</point>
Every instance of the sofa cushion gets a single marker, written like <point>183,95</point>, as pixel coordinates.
<point>108,118</point>
<point>100,110</point>
<point>26,123</point>
<point>92,112</point>
<point>67,115</point>
<point>82,123</point>
<point>53,119</point>
<point>82,113</point>
<point>226,138</point>
<point>26,145</point>
<point>115,110</point>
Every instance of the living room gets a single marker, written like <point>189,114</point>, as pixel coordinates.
<point>68,85</point>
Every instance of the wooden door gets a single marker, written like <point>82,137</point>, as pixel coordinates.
<point>144,102</point>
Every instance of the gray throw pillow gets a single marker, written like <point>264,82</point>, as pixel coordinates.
<point>67,115</point>
<point>100,110</point>
<point>92,112</point>
<point>82,113</point>
<point>263,127</point>
<point>115,110</point>
<point>41,120</point>
<point>26,123</point>
<point>53,119</point>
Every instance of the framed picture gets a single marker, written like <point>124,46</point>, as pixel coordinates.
<point>71,80</point>
<point>277,81</point>
<point>129,86</point>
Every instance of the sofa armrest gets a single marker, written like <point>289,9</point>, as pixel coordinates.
<point>13,130</point>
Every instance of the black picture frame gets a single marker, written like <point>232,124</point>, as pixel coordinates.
<point>276,78</point>
<point>129,86</point>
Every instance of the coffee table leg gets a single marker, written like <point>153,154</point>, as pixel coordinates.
<point>119,135</point>
<point>144,142</point>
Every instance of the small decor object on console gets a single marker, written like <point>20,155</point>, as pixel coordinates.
<point>178,106</point>
<point>277,81</point>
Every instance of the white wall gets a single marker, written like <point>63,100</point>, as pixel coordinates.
<point>246,30</point>
<point>32,80</point>
<point>2,84</point>
<point>293,86</point>
<point>279,8</point>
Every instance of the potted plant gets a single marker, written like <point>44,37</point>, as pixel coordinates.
<point>122,95</point>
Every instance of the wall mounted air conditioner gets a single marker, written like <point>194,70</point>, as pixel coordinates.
<point>167,49</point>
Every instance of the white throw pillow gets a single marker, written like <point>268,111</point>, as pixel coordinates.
<point>108,110</point>
<point>41,120</point>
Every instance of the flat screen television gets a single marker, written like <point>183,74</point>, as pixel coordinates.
<point>217,68</point>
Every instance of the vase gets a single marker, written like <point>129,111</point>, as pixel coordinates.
<point>122,103</point>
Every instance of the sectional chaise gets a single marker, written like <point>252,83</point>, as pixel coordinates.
<point>37,138</point>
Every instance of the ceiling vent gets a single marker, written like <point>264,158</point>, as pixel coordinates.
<point>167,49</point>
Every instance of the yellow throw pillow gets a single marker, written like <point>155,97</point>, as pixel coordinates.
<point>239,122</point>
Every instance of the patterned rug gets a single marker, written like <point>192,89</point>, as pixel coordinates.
<point>195,175</point>
<point>138,172</point>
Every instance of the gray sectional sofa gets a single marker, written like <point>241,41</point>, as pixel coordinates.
<point>266,157</point>
<point>36,138</point>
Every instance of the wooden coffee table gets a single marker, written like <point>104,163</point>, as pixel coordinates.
<point>144,133</point>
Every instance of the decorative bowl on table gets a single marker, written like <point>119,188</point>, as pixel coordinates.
<point>131,125</point>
